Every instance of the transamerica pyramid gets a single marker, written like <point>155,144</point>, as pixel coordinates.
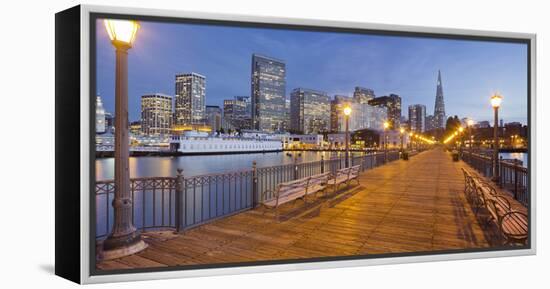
<point>439,111</point>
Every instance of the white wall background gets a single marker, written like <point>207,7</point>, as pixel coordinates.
<point>27,142</point>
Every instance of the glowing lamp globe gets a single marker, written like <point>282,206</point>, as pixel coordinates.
<point>347,110</point>
<point>496,100</point>
<point>121,32</point>
<point>401,130</point>
<point>386,125</point>
<point>470,122</point>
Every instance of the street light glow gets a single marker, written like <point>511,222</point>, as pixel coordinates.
<point>386,125</point>
<point>470,122</point>
<point>496,99</point>
<point>122,31</point>
<point>401,130</point>
<point>347,111</point>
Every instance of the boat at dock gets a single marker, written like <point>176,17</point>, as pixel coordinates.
<point>202,143</point>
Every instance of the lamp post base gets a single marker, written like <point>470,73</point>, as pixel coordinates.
<point>120,252</point>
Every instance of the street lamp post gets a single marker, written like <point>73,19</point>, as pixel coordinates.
<point>461,131</point>
<point>386,126</point>
<point>496,100</point>
<point>411,135</point>
<point>124,239</point>
<point>470,125</point>
<point>401,132</point>
<point>347,112</point>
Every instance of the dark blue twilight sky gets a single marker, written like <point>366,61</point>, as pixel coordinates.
<point>332,62</point>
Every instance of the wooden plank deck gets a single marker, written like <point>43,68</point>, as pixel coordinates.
<point>404,206</point>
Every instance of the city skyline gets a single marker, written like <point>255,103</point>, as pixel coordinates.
<point>320,60</point>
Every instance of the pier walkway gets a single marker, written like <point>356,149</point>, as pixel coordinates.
<point>404,206</point>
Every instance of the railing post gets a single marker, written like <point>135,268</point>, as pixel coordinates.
<point>322,164</point>
<point>179,194</point>
<point>254,185</point>
<point>295,168</point>
<point>516,166</point>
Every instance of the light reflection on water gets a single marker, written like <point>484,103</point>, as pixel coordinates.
<point>205,164</point>
<point>524,157</point>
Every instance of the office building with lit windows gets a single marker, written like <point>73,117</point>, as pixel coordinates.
<point>362,94</point>
<point>268,89</point>
<point>156,114</point>
<point>308,111</point>
<point>100,120</point>
<point>417,118</point>
<point>393,105</point>
<point>190,96</point>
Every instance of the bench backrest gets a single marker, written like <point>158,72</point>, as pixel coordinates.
<point>354,171</point>
<point>320,179</point>
<point>342,172</point>
<point>284,189</point>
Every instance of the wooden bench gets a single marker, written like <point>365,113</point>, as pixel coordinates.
<point>294,190</point>
<point>512,224</point>
<point>345,176</point>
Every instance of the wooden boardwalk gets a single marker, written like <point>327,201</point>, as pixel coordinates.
<point>404,206</point>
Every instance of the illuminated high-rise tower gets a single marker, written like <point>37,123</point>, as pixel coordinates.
<point>439,111</point>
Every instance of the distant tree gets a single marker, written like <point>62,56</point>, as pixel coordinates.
<point>453,123</point>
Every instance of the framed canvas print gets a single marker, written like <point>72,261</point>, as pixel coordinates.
<point>192,144</point>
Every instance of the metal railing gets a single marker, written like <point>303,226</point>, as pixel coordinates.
<point>513,177</point>
<point>181,202</point>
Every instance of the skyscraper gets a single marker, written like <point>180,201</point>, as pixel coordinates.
<point>248,104</point>
<point>156,114</point>
<point>236,111</point>
<point>417,117</point>
<point>430,122</point>
<point>309,111</point>
<point>268,93</point>
<point>337,106</point>
<point>214,117</point>
<point>439,111</point>
<point>362,94</point>
<point>100,122</point>
<point>190,99</point>
<point>393,105</point>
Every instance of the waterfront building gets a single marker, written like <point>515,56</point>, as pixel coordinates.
<point>190,97</point>
<point>363,95</point>
<point>439,112</point>
<point>248,104</point>
<point>309,111</point>
<point>236,112</point>
<point>366,116</point>
<point>214,117</point>
<point>337,105</point>
<point>268,90</point>
<point>100,122</point>
<point>393,105</point>
<point>303,141</point>
<point>109,122</point>
<point>366,138</point>
<point>417,118</point>
<point>363,116</point>
<point>156,114</point>
<point>483,124</point>
<point>394,139</point>
<point>430,125</point>
<point>135,127</point>
<point>336,140</point>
